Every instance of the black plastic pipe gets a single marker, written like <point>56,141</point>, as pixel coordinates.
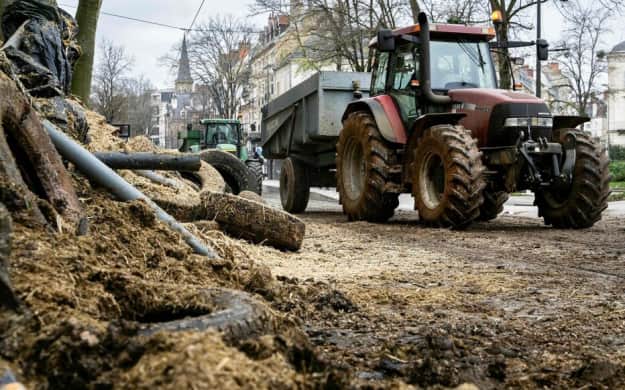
<point>150,161</point>
<point>98,172</point>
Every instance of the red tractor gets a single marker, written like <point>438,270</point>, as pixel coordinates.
<point>436,126</point>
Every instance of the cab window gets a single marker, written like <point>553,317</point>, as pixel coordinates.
<point>405,72</point>
<point>379,73</point>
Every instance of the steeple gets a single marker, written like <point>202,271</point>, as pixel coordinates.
<point>184,82</point>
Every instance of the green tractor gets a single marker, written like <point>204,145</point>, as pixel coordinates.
<point>222,144</point>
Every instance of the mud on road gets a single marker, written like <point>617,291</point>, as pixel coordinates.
<point>507,303</point>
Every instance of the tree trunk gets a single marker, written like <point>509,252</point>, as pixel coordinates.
<point>2,4</point>
<point>414,7</point>
<point>503,65</point>
<point>87,18</point>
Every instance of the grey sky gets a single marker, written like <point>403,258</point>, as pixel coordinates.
<point>146,43</point>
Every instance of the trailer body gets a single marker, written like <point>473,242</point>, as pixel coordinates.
<point>304,123</point>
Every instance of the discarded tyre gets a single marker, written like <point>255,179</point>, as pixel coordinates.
<point>234,171</point>
<point>237,314</point>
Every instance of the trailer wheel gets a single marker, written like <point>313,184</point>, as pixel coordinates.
<point>234,171</point>
<point>493,204</point>
<point>448,177</point>
<point>294,186</point>
<point>363,163</point>
<point>256,174</point>
<point>582,205</point>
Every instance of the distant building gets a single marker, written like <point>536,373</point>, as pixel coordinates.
<point>277,63</point>
<point>616,95</point>
<point>174,108</point>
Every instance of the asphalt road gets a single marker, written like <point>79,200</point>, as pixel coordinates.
<point>326,199</point>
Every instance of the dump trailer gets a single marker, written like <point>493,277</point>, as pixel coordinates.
<point>436,126</point>
<point>301,128</point>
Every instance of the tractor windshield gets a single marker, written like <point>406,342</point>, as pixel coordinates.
<point>222,133</point>
<point>461,64</point>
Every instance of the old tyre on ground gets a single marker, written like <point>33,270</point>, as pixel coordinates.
<point>581,205</point>
<point>363,169</point>
<point>255,168</point>
<point>237,314</point>
<point>234,171</point>
<point>447,177</point>
<point>493,204</point>
<point>294,186</point>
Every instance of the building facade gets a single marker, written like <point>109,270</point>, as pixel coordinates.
<point>616,95</point>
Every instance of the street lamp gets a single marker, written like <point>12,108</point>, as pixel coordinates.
<point>542,47</point>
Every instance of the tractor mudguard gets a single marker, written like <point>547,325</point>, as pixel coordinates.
<point>428,120</point>
<point>386,115</point>
<point>568,121</point>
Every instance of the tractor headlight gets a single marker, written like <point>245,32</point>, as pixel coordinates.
<point>525,122</point>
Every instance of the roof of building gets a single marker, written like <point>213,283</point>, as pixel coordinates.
<point>184,69</point>
<point>619,48</point>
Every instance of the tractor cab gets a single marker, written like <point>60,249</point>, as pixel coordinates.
<point>221,134</point>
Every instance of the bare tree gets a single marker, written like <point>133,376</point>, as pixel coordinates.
<point>217,54</point>
<point>108,97</point>
<point>583,62</point>
<point>138,93</point>
<point>87,18</point>
<point>338,31</point>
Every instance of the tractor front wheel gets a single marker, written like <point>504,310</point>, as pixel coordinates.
<point>447,177</point>
<point>493,204</point>
<point>363,167</point>
<point>581,206</point>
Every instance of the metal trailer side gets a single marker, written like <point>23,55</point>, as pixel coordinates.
<point>304,123</point>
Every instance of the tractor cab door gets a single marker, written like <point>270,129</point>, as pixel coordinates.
<point>404,81</point>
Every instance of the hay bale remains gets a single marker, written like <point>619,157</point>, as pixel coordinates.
<point>254,221</point>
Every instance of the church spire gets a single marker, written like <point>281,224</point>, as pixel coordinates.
<point>184,80</point>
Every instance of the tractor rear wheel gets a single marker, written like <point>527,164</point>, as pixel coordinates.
<point>294,186</point>
<point>448,177</point>
<point>363,165</point>
<point>581,206</point>
<point>493,204</point>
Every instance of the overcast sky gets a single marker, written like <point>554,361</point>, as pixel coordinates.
<point>147,43</point>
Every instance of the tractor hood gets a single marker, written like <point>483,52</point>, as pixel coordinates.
<point>487,109</point>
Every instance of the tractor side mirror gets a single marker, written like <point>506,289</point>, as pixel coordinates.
<point>386,41</point>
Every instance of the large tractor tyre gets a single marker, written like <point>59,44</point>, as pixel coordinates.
<point>294,186</point>
<point>448,177</point>
<point>581,206</point>
<point>234,171</point>
<point>363,168</point>
<point>255,168</point>
<point>493,204</point>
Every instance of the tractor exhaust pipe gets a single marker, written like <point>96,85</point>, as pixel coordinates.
<point>426,81</point>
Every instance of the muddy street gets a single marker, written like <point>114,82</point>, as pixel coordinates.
<point>509,302</point>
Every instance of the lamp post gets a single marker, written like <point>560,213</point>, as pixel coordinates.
<point>538,64</point>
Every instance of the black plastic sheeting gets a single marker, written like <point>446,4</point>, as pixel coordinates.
<point>45,52</point>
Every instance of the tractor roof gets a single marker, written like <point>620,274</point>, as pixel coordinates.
<point>220,121</point>
<point>445,31</point>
